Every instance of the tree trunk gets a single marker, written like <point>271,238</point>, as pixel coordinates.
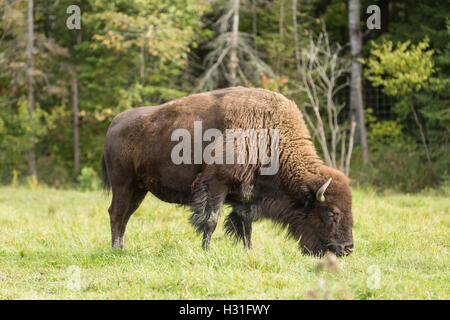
<point>234,60</point>
<point>356,100</point>
<point>30,24</point>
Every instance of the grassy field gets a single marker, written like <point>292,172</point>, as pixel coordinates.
<point>55,244</point>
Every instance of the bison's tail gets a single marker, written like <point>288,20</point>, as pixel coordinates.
<point>105,178</point>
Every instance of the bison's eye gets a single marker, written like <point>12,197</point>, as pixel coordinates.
<point>331,218</point>
<point>306,201</point>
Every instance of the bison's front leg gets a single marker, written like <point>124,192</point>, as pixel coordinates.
<point>239,223</point>
<point>207,199</point>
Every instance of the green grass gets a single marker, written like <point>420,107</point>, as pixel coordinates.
<point>46,233</point>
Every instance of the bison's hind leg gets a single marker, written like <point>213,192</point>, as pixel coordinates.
<point>207,199</point>
<point>126,199</point>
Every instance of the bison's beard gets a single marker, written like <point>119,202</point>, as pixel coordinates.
<point>309,241</point>
<point>311,244</point>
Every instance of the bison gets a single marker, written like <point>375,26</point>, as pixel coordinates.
<point>311,200</point>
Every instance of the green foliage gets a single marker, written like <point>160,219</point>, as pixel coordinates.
<point>399,167</point>
<point>406,71</point>
<point>164,32</point>
<point>15,178</point>
<point>275,38</point>
<point>133,53</point>
<point>88,180</point>
<point>383,133</point>
<point>396,156</point>
<point>387,133</point>
<point>402,69</point>
<point>139,95</point>
<point>17,131</point>
<point>149,42</point>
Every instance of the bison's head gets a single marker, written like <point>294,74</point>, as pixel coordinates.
<point>323,214</point>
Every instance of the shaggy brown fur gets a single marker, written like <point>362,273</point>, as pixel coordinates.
<point>137,160</point>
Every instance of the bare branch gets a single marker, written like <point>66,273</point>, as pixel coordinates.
<point>320,69</point>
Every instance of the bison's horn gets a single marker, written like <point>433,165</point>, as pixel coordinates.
<point>319,194</point>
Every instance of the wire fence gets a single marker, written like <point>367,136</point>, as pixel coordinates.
<point>381,105</point>
<point>376,100</point>
<point>373,98</point>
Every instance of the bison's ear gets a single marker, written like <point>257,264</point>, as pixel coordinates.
<point>308,196</point>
